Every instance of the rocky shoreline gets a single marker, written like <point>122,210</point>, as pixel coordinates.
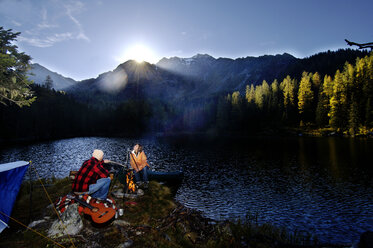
<point>151,220</point>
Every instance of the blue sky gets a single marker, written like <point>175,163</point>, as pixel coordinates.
<point>82,39</point>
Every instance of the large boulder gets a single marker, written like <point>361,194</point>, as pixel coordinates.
<point>71,220</point>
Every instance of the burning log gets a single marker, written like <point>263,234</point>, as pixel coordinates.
<point>130,184</point>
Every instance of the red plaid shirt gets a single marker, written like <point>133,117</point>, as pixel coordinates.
<point>89,173</point>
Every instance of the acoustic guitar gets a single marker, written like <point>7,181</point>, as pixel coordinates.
<point>98,212</point>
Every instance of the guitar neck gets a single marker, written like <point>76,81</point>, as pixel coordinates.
<point>83,203</point>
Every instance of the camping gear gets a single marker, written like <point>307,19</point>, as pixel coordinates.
<point>11,176</point>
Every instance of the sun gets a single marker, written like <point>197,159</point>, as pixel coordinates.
<point>140,53</point>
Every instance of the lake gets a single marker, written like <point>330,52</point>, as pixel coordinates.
<point>323,186</point>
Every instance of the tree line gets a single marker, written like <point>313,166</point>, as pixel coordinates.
<point>55,115</point>
<point>342,102</point>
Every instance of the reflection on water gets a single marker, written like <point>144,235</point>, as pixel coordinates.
<point>317,185</point>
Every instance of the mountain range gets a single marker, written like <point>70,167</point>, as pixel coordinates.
<point>200,76</point>
<point>39,73</point>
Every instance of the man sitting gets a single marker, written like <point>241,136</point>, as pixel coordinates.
<point>92,178</point>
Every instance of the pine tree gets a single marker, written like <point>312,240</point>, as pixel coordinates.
<point>250,93</point>
<point>353,121</point>
<point>274,99</point>
<point>48,83</point>
<point>316,81</point>
<point>259,99</point>
<point>236,98</point>
<point>364,78</point>
<point>338,103</point>
<point>228,98</point>
<point>288,88</point>
<point>237,110</point>
<point>14,85</point>
<point>368,89</point>
<point>316,85</point>
<point>322,109</point>
<point>369,114</point>
<point>328,86</point>
<point>305,96</point>
<point>266,91</point>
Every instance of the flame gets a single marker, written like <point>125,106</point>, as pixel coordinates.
<point>131,186</point>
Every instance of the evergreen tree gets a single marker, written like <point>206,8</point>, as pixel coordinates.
<point>316,85</point>
<point>288,89</point>
<point>368,90</point>
<point>236,98</point>
<point>275,96</point>
<point>305,94</point>
<point>316,81</point>
<point>229,98</point>
<point>259,97</point>
<point>48,83</point>
<point>369,114</point>
<point>322,109</point>
<point>328,86</point>
<point>266,91</point>
<point>353,121</point>
<point>14,85</point>
<point>338,103</point>
<point>250,93</point>
<point>364,78</point>
<point>237,111</point>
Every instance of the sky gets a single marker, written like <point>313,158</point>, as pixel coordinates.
<point>82,39</point>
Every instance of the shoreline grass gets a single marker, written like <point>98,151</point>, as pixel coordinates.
<point>155,221</point>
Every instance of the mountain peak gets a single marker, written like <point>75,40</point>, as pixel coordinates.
<point>38,74</point>
<point>202,56</point>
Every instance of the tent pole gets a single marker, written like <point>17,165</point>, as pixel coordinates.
<point>30,208</point>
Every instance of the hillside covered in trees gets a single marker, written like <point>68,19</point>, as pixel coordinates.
<point>328,91</point>
<point>342,102</point>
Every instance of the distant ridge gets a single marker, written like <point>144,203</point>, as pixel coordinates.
<point>39,73</point>
<point>192,79</point>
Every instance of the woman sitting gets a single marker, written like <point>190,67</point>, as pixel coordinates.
<point>139,164</point>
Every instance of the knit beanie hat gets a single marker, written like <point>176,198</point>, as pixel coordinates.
<point>98,154</point>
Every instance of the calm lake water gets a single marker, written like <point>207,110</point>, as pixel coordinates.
<point>323,186</point>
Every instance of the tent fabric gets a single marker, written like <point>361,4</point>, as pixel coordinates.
<point>13,165</point>
<point>11,176</point>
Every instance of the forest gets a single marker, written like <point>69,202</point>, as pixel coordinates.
<point>339,103</point>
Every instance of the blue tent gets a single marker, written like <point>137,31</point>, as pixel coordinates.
<point>11,175</point>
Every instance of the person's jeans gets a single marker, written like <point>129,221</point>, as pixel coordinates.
<point>143,173</point>
<point>100,189</point>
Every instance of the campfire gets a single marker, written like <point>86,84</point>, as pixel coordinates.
<point>130,184</point>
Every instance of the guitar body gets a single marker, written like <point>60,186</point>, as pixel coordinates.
<point>102,215</point>
<point>98,211</point>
